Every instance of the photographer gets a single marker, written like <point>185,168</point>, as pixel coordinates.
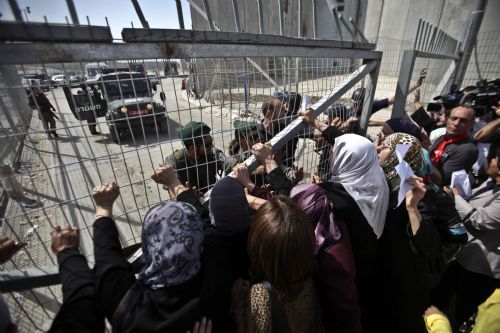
<point>484,101</point>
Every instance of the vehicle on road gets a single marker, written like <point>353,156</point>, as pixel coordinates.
<point>57,80</point>
<point>130,104</point>
<point>154,79</point>
<point>74,79</point>
<point>95,68</point>
<point>42,80</point>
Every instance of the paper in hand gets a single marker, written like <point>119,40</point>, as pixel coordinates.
<point>460,180</point>
<point>404,172</point>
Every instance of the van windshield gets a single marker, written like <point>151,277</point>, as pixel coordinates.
<point>126,85</point>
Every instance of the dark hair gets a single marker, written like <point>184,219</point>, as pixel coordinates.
<point>294,101</point>
<point>266,106</point>
<point>281,245</point>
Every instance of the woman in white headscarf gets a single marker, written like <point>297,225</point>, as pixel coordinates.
<point>360,196</point>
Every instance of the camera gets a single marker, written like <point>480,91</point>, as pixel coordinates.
<point>452,99</point>
<point>483,97</point>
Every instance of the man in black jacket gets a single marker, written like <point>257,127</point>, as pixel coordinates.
<point>45,111</point>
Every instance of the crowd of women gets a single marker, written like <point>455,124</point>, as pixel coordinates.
<point>368,250</point>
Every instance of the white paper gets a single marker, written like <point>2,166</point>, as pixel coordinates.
<point>460,180</point>
<point>306,103</point>
<point>404,172</point>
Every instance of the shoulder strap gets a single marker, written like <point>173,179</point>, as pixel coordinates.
<point>278,316</point>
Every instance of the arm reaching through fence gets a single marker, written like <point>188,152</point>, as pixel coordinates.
<point>79,310</point>
<point>104,197</point>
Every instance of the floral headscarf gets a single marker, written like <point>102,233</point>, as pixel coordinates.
<point>172,240</point>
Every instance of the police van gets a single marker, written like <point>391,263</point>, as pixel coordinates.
<point>125,99</point>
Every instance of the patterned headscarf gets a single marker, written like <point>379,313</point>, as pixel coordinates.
<point>172,240</point>
<point>413,156</point>
<point>316,204</point>
<point>229,207</point>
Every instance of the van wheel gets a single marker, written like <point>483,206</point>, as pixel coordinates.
<point>114,135</point>
<point>163,126</point>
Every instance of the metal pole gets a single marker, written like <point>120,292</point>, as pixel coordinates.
<point>261,18</point>
<point>72,11</point>
<point>179,14</point>
<point>470,40</point>
<point>315,28</point>
<point>300,18</point>
<point>280,16</point>
<point>236,16</point>
<point>138,10</point>
<point>209,15</point>
<point>417,36</point>
<point>406,69</point>
<point>15,10</point>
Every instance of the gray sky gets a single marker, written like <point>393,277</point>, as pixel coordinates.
<point>159,13</point>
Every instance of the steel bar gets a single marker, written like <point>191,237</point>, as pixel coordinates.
<point>405,73</point>
<point>469,40</point>
<point>72,11</point>
<point>193,36</point>
<point>417,35</point>
<point>433,40</point>
<point>315,19</point>
<point>280,17</point>
<point>42,32</point>
<point>300,17</point>
<point>208,15</point>
<point>14,7</point>
<point>319,107</point>
<point>357,30</point>
<point>236,16</point>
<point>180,16</point>
<point>337,23</point>
<point>428,28</point>
<point>72,52</point>
<point>261,18</point>
<point>138,10</point>
<point>348,28</point>
<point>371,86</point>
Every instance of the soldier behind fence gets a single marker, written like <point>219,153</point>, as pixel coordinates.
<point>198,163</point>
<point>91,121</point>
<point>45,112</point>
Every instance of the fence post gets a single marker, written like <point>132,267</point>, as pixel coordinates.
<point>407,64</point>
<point>470,41</point>
<point>371,86</point>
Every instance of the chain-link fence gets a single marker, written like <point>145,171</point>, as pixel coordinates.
<point>140,130</point>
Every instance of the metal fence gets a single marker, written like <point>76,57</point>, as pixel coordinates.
<point>60,172</point>
<point>485,61</point>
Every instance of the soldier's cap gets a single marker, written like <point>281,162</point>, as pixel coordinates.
<point>241,125</point>
<point>193,131</point>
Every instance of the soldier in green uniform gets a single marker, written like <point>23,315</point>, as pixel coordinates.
<point>198,163</point>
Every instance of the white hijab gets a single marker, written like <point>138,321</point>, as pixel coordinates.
<point>355,165</point>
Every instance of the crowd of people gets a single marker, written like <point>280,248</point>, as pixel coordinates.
<point>386,238</point>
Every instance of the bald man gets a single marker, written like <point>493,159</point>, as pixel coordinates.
<point>455,150</point>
